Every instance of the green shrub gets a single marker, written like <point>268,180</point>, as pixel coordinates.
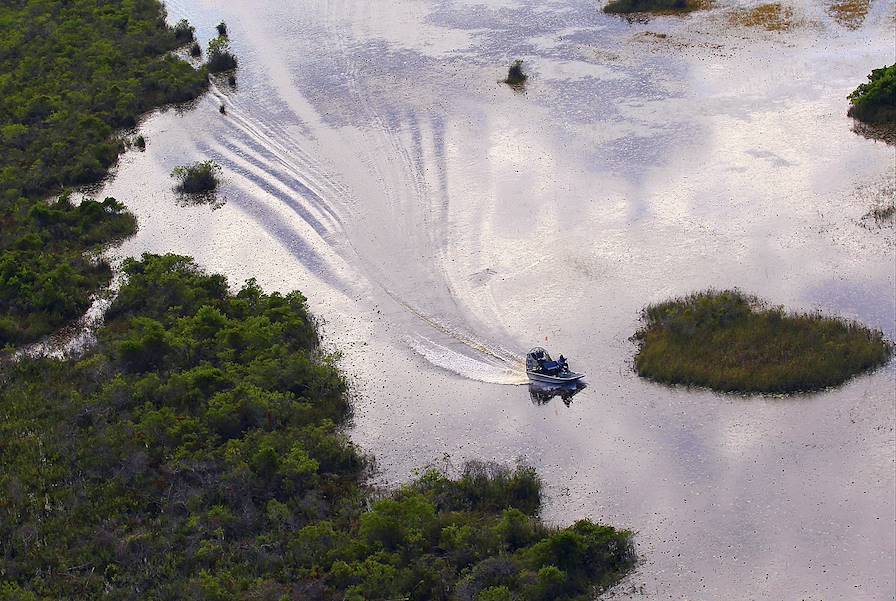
<point>198,178</point>
<point>195,50</point>
<point>875,101</point>
<point>220,58</point>
<point>731,342</point>
<point>222,29</point>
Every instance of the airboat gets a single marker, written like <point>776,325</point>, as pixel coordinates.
<point>541,368</point>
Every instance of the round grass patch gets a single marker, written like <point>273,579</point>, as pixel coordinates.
<point>733,342</point>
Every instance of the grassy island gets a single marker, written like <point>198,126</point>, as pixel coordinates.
<point>732,342</point>
<point>874,102</point>
<point>73,72</point>
<point>659,6</point>
<point>196,452</point>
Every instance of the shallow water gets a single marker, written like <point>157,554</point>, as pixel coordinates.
<point>441,223</point>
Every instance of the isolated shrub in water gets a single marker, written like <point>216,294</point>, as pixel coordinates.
<point>222,29</point>
<point>197,178</point>
<point>219,56</point>
<point>515,75</point>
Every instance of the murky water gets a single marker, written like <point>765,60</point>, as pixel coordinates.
<point>442,224</point>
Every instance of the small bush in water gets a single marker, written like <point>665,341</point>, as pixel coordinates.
<point>197,178</point>
<point>140,142</point>
<point>219,56</point>
<point>515,75</point>
<point>222,29</point>
<point>732,342</point>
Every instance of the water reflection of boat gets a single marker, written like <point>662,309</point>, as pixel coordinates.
<point>541,393</point>
<point>541,368</point>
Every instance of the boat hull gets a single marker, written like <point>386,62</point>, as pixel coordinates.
<point>564,379</point>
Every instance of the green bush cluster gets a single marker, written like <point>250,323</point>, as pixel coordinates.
<point>198,178</point>
<point>70,74</point>
<point>875,101</point>
<point>515,75</point>
<point>638,6</point>
<point>732,342</point>
<point>196,453</point>
<point>220,58</point>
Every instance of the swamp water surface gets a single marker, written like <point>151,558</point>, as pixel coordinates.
<point>441,224</point>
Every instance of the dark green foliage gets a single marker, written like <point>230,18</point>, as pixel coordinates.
<point>875,101</point>
<point>184,32</point>
<point>140,142</point>
<point>45,279</point>
<point>637,6</point>
<point>222,29</point>
<point>196,453</point>
<point>70,73</point>
<point>515,75</point>
<point>198,178</point>
<point>195,50</point>
<point>219,56</point>
<point>731,342</point>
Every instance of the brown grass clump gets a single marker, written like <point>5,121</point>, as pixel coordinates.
<point>850,13</point>
<point>732,342</point>
<point>772,17</point>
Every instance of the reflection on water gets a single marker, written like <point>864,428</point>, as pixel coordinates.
<point>542,393</point>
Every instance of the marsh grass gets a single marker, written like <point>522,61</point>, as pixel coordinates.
<point>732,342</point>
<point>771,17</point>
<point>850,13</point>
<point>198,178</point>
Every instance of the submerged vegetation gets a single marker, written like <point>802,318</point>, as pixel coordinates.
<point>874,102</point>
<point>515,75</point>
<point>638,6</point>
<point>198,178</point>
<point>731,342</point>
<point>100,66</point>
<point>196,453</point>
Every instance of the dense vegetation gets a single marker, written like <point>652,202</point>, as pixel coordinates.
<point>638,6</point>
<point>731,342</point>
<point>875,101</point>
<point>198,178</point>
<point>70,74</point>
<point>196,453</point>
<point>45,278</point>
